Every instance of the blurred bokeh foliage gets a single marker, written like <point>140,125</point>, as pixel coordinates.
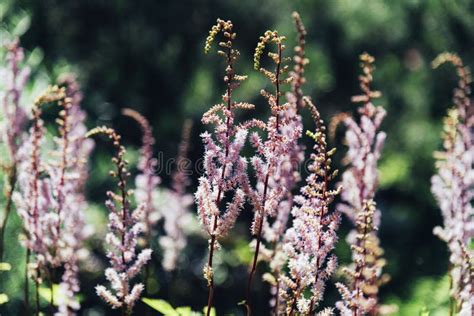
<point>149,55</point>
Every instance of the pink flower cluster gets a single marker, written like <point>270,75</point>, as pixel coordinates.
<point>360,182</point>
<point>224,168</point>
<point>15,77</point>
<point>146,182</point>
<point>50,199</point>
<point>313,235</point>
<point>124,226</point>
<point>453,184</point>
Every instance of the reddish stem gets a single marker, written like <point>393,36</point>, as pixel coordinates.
<point>230,74</point>
<point>265,189</point>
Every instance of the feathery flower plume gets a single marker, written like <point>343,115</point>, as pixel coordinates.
<point>14,118</point>
<point>124,229</point>
<point>360,182</point>
<point>289,174</point>
<point>175,205</point>
<point>35,199</point>
<point>146,182</point>
<point>74,150</point>
<point>271,152</point>
<point>452,186</point>
<point>224,168</point>
<point>51,197</point>
<point>309,242</point>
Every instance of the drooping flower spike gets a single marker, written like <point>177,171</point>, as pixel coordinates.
<point>452,186</point>
<point>146,182</point>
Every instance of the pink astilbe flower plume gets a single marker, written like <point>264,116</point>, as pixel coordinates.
<point>35,200</point>
<point>452,186</point>
<point>146,182</point>
<point>313,235</point>
<point>225,169</point>
<point>51,198</point>
<point>360,182</point>
<point>175,208</point>
<point>68,181</point>
<point>271,152</point>
<point>289,175</point>
<point>15,77</point>
<point>125,227</point>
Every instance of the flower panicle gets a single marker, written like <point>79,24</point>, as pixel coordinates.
<point>360,181</point>
<point>451,187</point>
<point>271,153</point>
<point>309,242</point>
<point>124,228</point>
<point>288,175</point>
<point>16,78</point>
<point>148,141</point>
<point>51,195</point>
<point>225,170</point>
<point>146,182</point>
<point>300,61</point>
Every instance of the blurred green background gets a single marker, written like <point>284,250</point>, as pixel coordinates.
<point>149,55</point>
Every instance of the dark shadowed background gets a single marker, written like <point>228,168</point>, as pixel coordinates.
<point>148,55</point>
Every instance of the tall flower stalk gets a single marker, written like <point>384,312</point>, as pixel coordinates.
<point>224,168</point>
<point>14,118</point>
<point>146,182</point>
<point>452,186</point>
<point>270,153</point>
<point>289,175</point>
<point>50,199</point>
<point>68,181</point>
<point>124,228</point>
<point>360,182</point>
<point>313,235</point>
<point>35,199</point>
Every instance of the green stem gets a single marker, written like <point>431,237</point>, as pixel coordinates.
<point>26,292</point>
<point>11,181</point>
<point>37,293</point>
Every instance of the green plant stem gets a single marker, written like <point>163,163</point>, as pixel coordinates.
<point>37,292</point>
<point>51,281</point>
<point>26,293</point>
<point>11,181</point>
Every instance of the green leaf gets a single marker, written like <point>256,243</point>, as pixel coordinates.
<point>22,25</point>
<point>184,311</point>
<point>161,306</point>
<point>213,311</point>
<point>3,298</point>
<point>424,311</point>
<point>5,266</point>
<point>45,293</point>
